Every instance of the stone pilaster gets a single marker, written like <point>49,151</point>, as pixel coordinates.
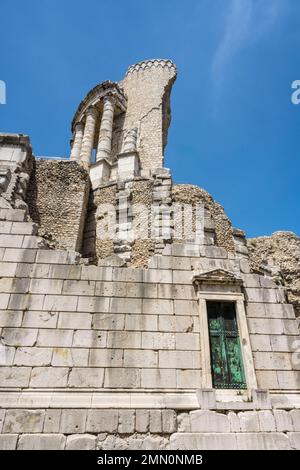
<point>88,136</point>
<point>106,127</point>
<point>76,147</point>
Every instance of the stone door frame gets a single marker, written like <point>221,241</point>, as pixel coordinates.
<point>239,300</point>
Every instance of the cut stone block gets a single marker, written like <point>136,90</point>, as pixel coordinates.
<point>41,442</point>
<point>24,421</point>
<point>249,421</point>
<point>126,421</point>
<point>81,442</point>
<point>8,441</point>
<point>49,377</point>
<point>209,421</point>
<point>122,378</point>
<point>73,421</point>
<point>283,420</point>
<point>99,421</point>
<point>86,377</point>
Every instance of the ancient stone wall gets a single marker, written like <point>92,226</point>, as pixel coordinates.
<point>148,86</point>
<point>57,199</point>
<point>89,326</point>
<point>151,429</point>
<point>190,194</point>
<point>16,162</point>
<point>110,348</point>
<point>280,255</point>
<point>70,334</point>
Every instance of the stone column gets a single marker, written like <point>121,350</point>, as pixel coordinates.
<point>106,127</point>
<point>130,141</point>
<point>76,147</point>
<point>88,136</point>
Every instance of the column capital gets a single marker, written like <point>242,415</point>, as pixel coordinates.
<point>92,111</point>
<point>110,98</point>
<point>79,126</point>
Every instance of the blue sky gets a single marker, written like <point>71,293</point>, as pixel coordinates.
<point>234,130</point>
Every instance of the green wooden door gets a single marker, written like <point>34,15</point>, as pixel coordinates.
<point>225,350</point>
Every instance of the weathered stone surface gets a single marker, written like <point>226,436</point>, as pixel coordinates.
<point>179,359</point>
<point>187,341</point>
<point>52,421</point>
<point>281,249</point>
<point>73,357</point>
<point>295,415</point>
<point>41,442</point>
<point>19,421</point>
<point>267,360</point>
<point>19,337</point>
<point>82,377</point>
<point>88,338</point>
<point>81,442</point>
<point>49,377</point>
<point>120,378</point>
<point>73,421</point>
<point>99,421</point>
<point>15,376</point>
<point>183,422</point>
<point>234,422</point>
<point>283,420</point>
<point>142,420</point>
<point>158,307</point>
<point>126,421</point>
<point>58,187</point>
<point>106,357</point>
<point>267,379</point>
<point>124,339</point>
<point>266,421</point>
<point>156,378</point>
<point>158,340</point>
<point>114,443</point>
<point>8,441</point>
<point>288,380</point>
<point>7,354</point>
<point>141,322</point>
<point>169,423</point>
<point>107,321</point>
<point>33,356</point>
<point>263,441</point>
<point>209,421</point>
<point>294,438</point>
<point>46,286</point>
<point>140,358</point>
<point>2,414</point>
<point>58,303</point>
<point>176,324</point>
<point>249,421</point>
<point>79,320</point>
<point>12,318</point>
<point>40,319</point>
<point>202,441</point>
<point>155,421</point>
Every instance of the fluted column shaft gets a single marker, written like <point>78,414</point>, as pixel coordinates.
<point>88,136</point>
<point>106,128</point>
<point>76,147</point>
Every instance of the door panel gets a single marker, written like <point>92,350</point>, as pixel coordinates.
<point>226,358</point>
